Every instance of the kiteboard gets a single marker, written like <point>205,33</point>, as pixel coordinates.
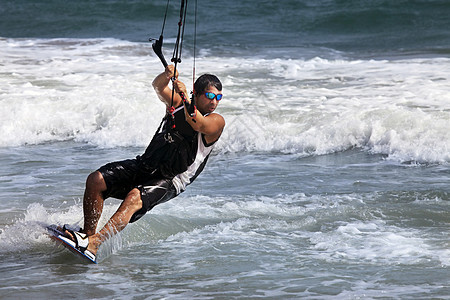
<point>57,235</point>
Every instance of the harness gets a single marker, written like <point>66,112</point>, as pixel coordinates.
<point>172,149</point>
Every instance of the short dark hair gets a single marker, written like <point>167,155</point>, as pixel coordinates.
<point>205,81</point>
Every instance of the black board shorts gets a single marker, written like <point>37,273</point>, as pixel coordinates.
<point>123,176</point>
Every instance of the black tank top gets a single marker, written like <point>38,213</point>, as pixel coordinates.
<point>171,150</point>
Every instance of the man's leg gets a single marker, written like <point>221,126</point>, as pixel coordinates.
<point>93,201</point>
<point>118,221</point>
<point>137,202</point>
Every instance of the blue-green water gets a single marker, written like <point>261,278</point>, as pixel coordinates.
<point>246,27</point>
<point>331,179</point>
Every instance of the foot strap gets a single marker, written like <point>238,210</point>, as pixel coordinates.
<point>81,239</point>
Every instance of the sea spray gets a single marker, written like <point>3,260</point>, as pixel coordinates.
<point>309,107</point>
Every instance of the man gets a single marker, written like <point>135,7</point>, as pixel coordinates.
<point>174,158</point>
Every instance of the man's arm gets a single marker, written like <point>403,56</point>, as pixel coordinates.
<point>211,126</point>
<point>161,86</point>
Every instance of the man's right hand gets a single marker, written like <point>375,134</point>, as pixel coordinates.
<point>161,86</point>
<point>170,72</point>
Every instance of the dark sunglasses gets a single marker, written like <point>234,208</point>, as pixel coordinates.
<point>211,96</point>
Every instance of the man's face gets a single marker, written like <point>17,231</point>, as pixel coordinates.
<point>206,105</point>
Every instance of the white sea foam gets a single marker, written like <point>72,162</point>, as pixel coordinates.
<point>28,231</point>
<point>248,238</point>
<point>360,233</point>
<point>378,243</point>
<point>99,92</point>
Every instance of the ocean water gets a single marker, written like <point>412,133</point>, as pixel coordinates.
<point>330,181</point>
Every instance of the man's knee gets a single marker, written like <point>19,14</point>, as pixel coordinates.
<point>95,180</point>
<point>134,200</point>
